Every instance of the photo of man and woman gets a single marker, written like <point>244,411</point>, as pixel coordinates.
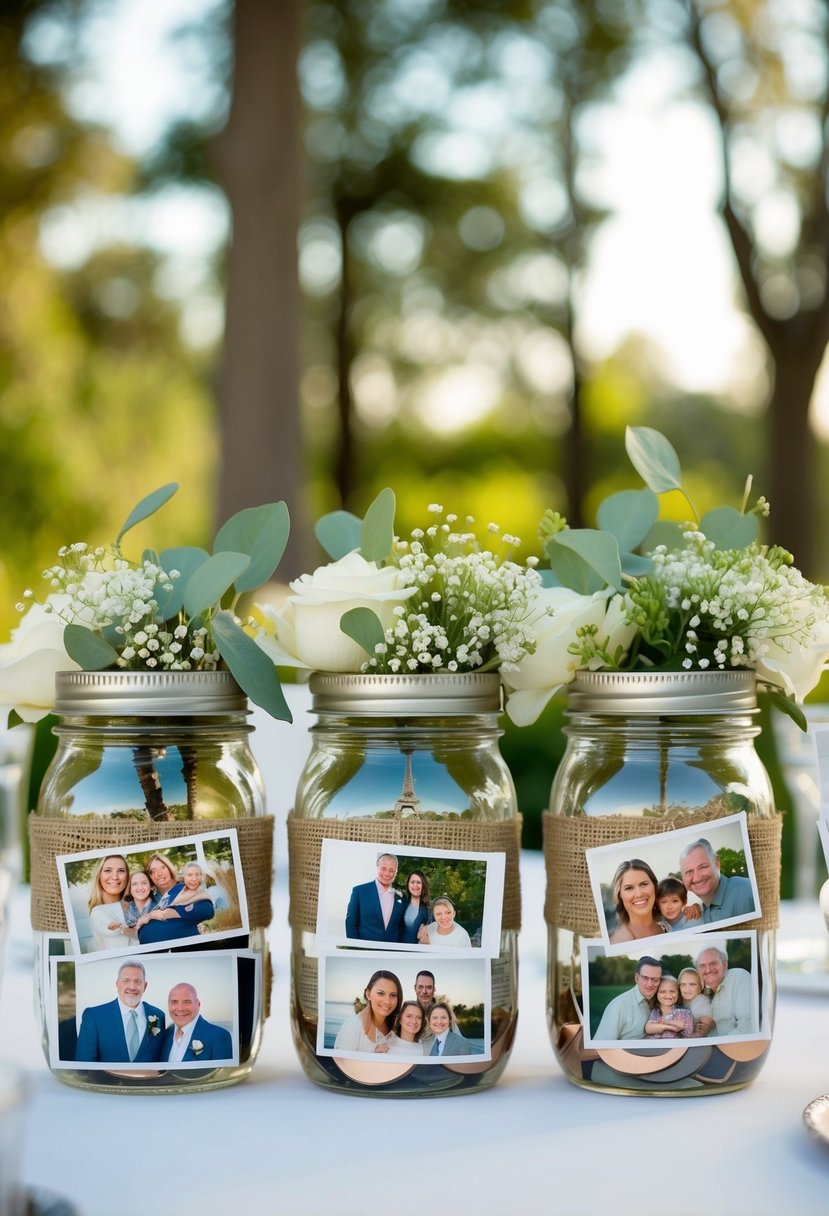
<point>370,1008</point>
<point>684,882</point>
<point>153,896</point>
<point>702,988</point>
<point>409,899</point>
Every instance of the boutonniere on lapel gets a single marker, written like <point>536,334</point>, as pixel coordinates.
<point>197,1047</point>
<point>152,1024</point>
<point>189,908</point>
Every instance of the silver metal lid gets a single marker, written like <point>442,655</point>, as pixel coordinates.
<point>662,692</point>
<point>168,694</point>
<point>427,695</point>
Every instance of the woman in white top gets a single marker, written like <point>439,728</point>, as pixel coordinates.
<point>106,912</point>
<point>443,930</point>
<point>409,1026</point>
<point>371,1028</point>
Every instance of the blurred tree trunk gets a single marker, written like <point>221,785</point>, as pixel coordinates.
<point>258,158</point>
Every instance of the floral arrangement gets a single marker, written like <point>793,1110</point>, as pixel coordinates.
<point>169,611</point>
<point>441,601</point>
<point>640,594</point>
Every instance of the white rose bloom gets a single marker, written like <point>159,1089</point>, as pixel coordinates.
<point>307,628</point>
<point>796,671</point>
<point>551,666</point>
<point>28,662</point>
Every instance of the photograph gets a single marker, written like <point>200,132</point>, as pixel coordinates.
<point>155,895</point>
<point>161,1011</point>
<point>383,1006</point>
<point>683,882</point>
<point>422,900</point>
<point>706,988</point>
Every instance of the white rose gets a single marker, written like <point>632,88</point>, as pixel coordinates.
<point>307,628</point>
<point>551,666</point>
<point>796,671</point>
<point>29,661</point>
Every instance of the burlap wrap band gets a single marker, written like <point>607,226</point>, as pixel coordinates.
<point>51,838</point>
<point>570,902</point>
<point>305,837</point>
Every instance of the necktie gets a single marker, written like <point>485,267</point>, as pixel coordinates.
<point>132,1035</point>
<point>435,1048</point>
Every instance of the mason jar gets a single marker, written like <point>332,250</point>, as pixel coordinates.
<point>660,773</point>
<point>404,778</point>
<point>151,763</point>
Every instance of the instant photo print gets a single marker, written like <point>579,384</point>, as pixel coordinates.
<point>184,891</point>
<point>699,991</point>
<point>401,898</point>
<point>448,1024</point>
<point>186,1007</point>
<point>693,880</point>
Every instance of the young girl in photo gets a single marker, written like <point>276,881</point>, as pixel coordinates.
<point>138,897</point>
<point>692,992</point>
<point>673,905</point>
<point>667,1019</point>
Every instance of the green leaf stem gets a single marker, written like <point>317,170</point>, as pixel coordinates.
<point>654,459</point>
<point>212,579</point>
<point>260,532</point>
<point>253,671</point>
<point>147,506</point>
<point>363,627</point>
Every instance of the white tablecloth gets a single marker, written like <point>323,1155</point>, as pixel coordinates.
<point>533,1144</point>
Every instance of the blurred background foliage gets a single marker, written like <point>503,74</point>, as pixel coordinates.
<point>359,247</point>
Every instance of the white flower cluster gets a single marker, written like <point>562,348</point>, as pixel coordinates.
<point>102,590</point>
<point>471,610</point>
<point>727,608</point>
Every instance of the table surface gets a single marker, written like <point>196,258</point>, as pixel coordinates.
<point>535,1143</point>
<point>277,1145</point>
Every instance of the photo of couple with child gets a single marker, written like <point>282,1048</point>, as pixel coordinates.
<point>694,894</point>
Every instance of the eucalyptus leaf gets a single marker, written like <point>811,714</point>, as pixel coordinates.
<point>788,706</point>
<point>186,560</point>
<point>251,668</point>
<point>629,516</point>
<point>211,580</point>
<point>363,627</point>
<point>729,528</point>
<point>88,649</point>
<point>377,528</point>
<point>664,532</point>
<point>338,533</point>
<point>636,565</point>
<point>599,551</point>
<point>147,506</point>
<point>568,569</point>
<point>262,533</point>
<point>654,458</point>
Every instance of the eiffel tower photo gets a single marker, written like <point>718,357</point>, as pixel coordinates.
<point>408,803</point>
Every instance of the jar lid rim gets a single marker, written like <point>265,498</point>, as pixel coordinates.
<point>148,693</point>
<point>429,694</point>
<point>663,692</point>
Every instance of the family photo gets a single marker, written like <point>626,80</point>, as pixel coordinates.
<point>380,1006</point>
<point>158,1012</point>
<point>168,893</point>
<point>685,882</point>
<point>707,988</point>
<point>409,899</point>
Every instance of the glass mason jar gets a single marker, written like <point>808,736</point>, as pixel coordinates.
<point>151,762</point>
<point>406,766</point>
<point>649,753</point>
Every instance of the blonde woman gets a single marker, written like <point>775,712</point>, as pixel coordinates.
<point>106,912</point>
<point>444,930</point>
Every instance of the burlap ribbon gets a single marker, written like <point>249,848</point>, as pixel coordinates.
<point>305,837</point>
<point>570,904</point>
<point>51,838</point>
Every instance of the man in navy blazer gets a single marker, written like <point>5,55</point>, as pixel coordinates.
<point>190,1036</point>
<point>375,909</point>
<point>124,1031</point>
